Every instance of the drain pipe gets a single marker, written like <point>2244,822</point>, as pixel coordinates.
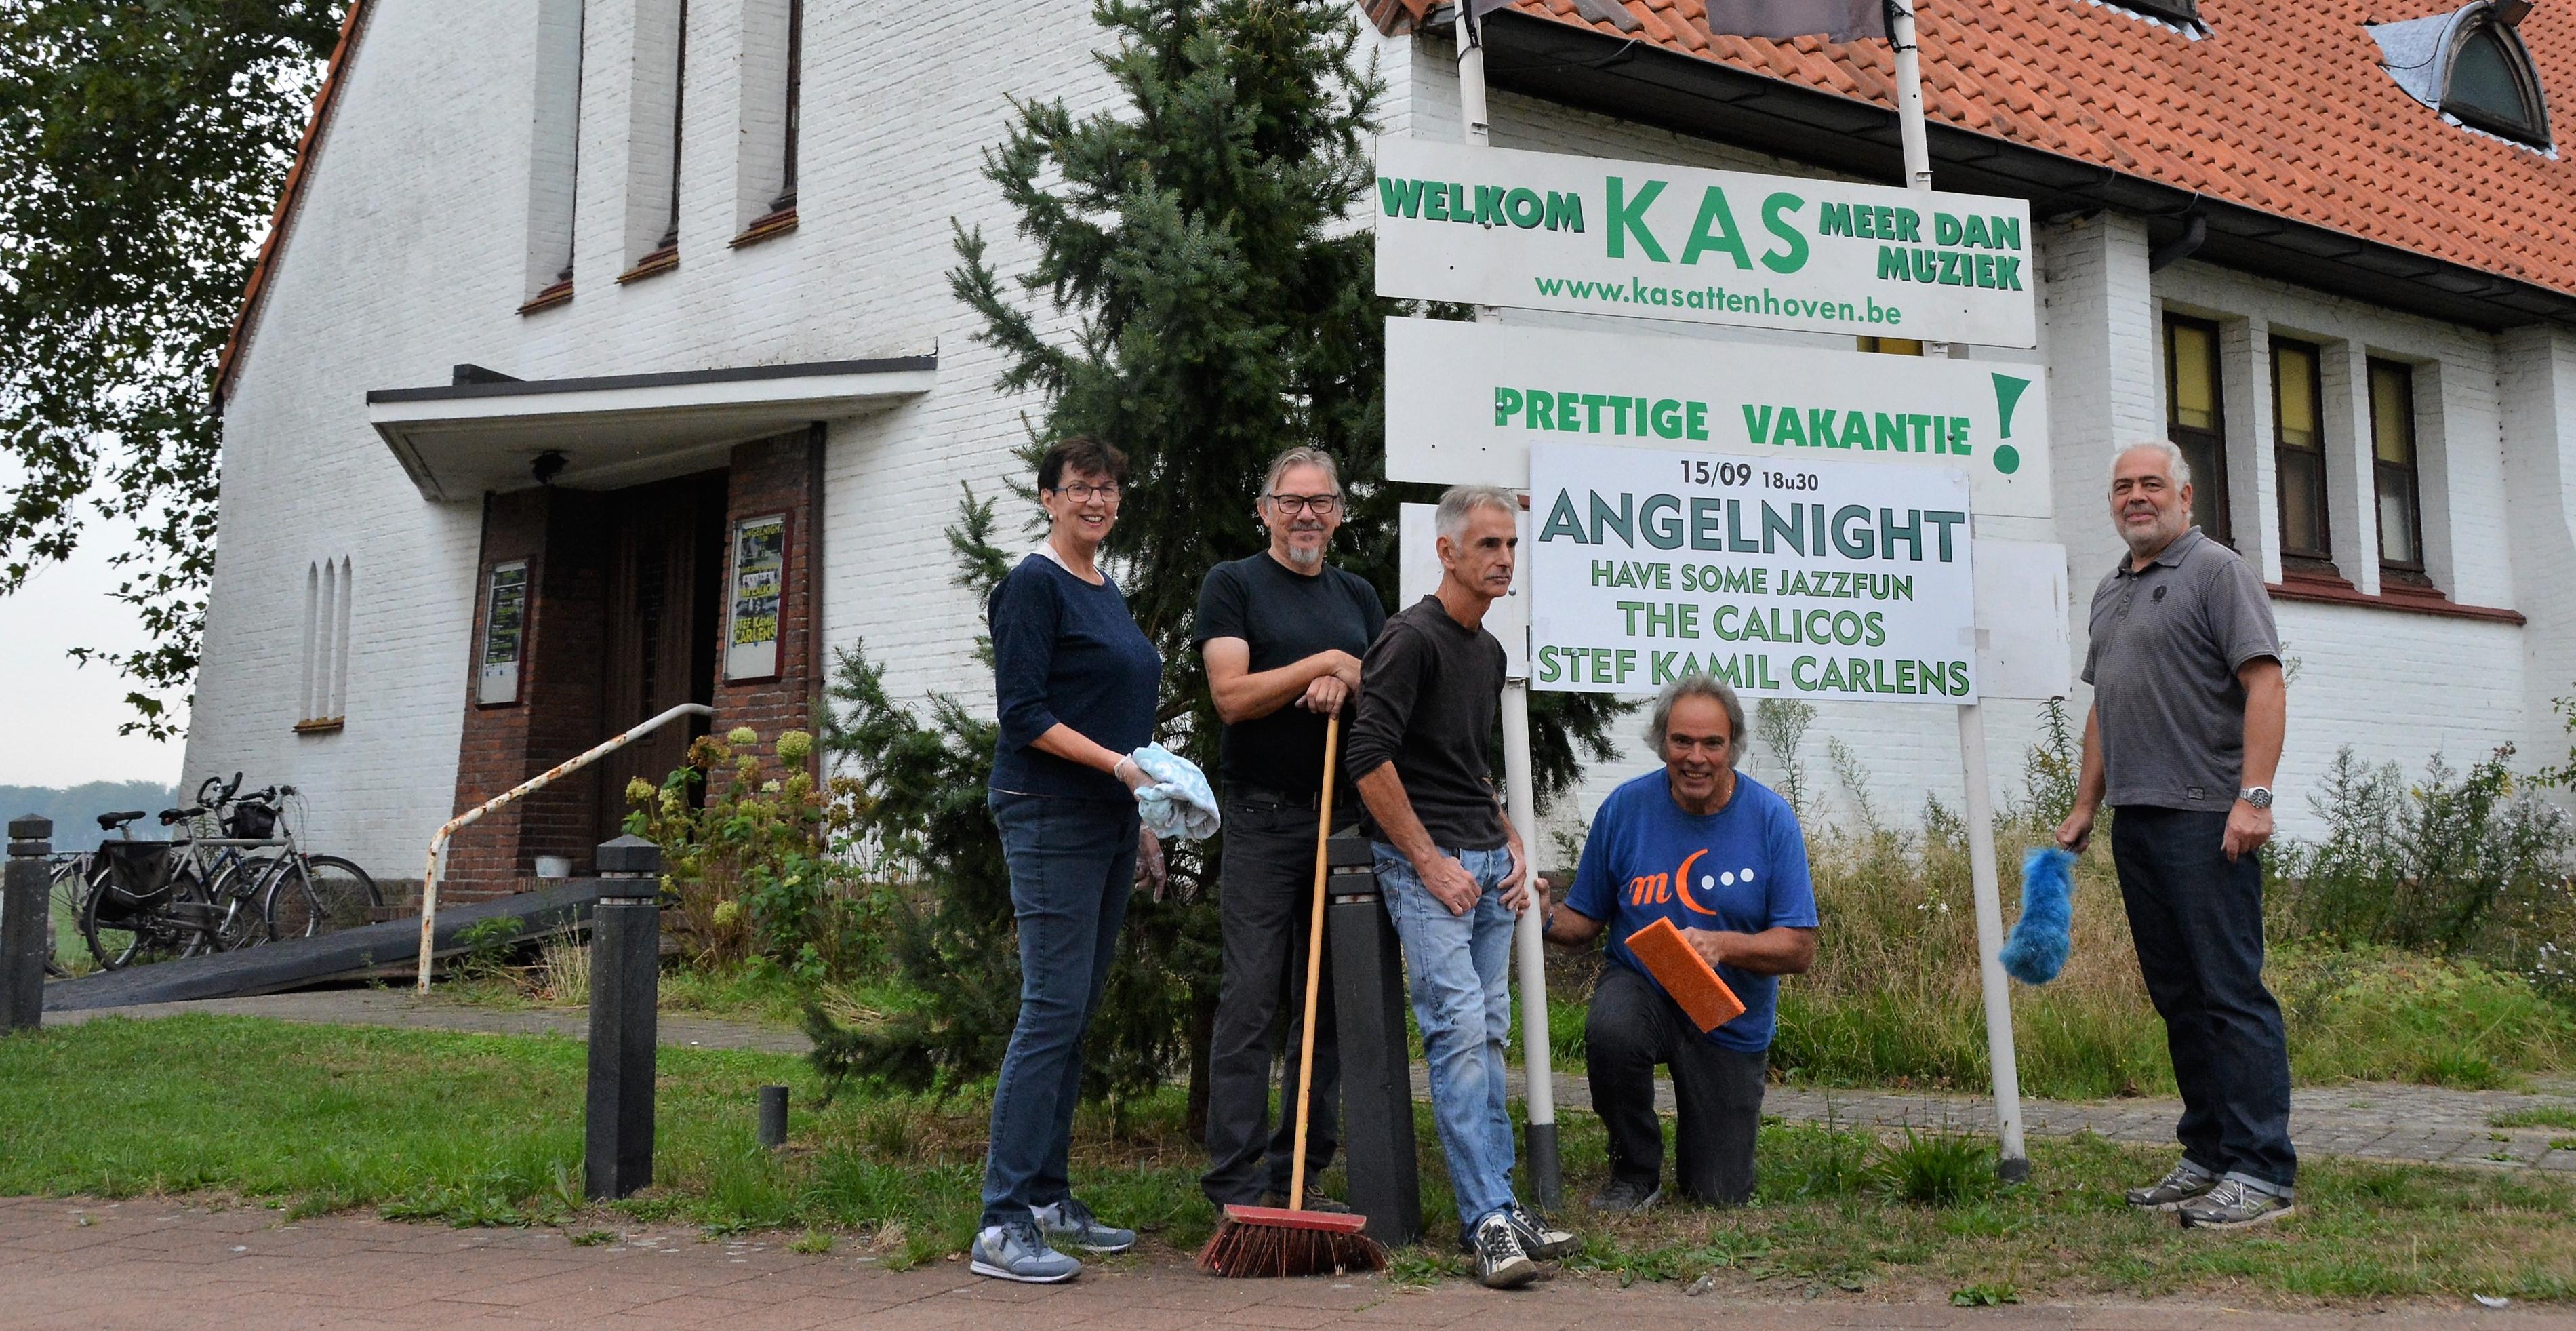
<point>2195,233</point>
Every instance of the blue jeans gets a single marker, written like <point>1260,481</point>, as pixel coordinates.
<point>2198,922</point>
<point>1072,863</point>
<point>1458,965</point>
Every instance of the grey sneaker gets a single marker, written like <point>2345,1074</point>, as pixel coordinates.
<point>1071,1223</point>
<point>1015,1251</point>
<point>1539,1241</point>
<point>1623,1197</point>
<point>2185,1182</point>
<point>1500,1261</point>
<point>2232,1205</point>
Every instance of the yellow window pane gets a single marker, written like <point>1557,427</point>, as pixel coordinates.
<point>2195,378</point>
<point>2392,420</point>
<point>2294,393</point>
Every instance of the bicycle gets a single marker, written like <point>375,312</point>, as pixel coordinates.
<point>299,893</point>
<point>154,900</point>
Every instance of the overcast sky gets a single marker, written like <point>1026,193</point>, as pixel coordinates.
<point>62,716</point>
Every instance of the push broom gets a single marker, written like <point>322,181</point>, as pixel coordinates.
<point>1290,1240</point>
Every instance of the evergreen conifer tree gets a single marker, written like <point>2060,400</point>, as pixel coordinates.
<point>1202,238</point>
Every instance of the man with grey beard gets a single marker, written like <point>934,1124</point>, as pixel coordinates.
<point>2183,738</point>
<point>1281,633</point>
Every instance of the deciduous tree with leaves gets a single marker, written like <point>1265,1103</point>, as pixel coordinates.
<point>144,143</point>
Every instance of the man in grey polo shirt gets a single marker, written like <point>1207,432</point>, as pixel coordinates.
<point>2183,738</point>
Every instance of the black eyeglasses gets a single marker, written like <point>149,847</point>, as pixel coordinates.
<point>1322,506</point>
<point>1081,493</point>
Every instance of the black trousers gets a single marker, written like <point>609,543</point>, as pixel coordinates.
<point>1266,891</point>
<point>2198,921</point>
<point>1634,1025</point>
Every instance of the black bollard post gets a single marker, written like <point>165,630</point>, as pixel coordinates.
<point>1377,1077</point>
<point>26,920</point>
<point>625,986</point>
<point>773,1116</point>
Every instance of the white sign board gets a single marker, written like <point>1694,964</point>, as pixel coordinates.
<point>1417,575</point>
<point>1787,578</point>
<point>2025,648</point>
<point>1552,231</point>
<point>1465,403</point>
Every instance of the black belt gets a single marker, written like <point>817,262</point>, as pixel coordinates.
<point>1269,798</point>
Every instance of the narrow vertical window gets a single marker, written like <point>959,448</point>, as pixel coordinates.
<point>312,640</point>
<point>773,60</point>
<point>2299,450</point>
<point>786,199</point>
<point>656,112</point>
<point>2393,466</point>
<point>2196,421</point>
<point>340,644</point>
<point>326,648</point>
<point>554,167</point>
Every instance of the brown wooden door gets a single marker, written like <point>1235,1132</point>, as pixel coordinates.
<point>664,560</point>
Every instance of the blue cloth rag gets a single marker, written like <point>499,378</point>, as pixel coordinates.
<point>1177,801</point>
<point>2040,939</point>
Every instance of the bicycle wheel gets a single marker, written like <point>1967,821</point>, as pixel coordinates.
<point>238,892</point>
<point>287,900</point>
<point>117,944</point>
<point>63,903</point>
<point>345,894</point>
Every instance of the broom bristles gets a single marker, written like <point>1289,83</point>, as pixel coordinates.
<point>1259,1241</point>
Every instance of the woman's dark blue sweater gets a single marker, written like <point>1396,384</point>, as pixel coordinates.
<point>1067,652</point>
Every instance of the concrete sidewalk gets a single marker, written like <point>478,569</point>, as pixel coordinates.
<point>73,1265</point>
<point>2374,1121</point>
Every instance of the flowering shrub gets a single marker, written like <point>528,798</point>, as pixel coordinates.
<point>748,856</point>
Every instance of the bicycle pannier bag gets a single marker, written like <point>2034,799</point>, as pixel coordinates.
<point>137,881</point>
<point>251,822</point>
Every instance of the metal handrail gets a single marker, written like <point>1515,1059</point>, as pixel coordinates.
<point>438,843</point>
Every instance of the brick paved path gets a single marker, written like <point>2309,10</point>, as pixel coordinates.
<point>73,1265</point>
<point>2381,1121</point>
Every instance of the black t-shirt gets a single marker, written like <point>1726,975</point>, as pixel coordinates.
<point>1429,689</point>
<point>1284,617</point>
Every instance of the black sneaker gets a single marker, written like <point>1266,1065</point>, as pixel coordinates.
<point>1541,1242</point>
<point>2185,1182</point>
<point>1624,1197</point>
<point>1500,1261</point>
<point>1315,1201</point>
<point>2232,1205</point>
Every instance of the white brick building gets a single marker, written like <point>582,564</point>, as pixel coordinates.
<point>487,265</point>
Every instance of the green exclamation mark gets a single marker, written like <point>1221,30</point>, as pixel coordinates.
<point>2008,391</point>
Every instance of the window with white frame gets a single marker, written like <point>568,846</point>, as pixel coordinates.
<point>323,699</point>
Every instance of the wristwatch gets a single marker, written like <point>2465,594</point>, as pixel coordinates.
<point>2258,796</point>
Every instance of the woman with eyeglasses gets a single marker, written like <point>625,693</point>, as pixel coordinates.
<point>1076,684</point>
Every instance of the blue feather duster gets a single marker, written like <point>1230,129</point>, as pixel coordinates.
<point>2040,938</point>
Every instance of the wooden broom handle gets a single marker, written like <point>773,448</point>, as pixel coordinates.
<point>1314,960</point>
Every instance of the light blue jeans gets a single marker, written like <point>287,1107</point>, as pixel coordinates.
<point>1458,965</point>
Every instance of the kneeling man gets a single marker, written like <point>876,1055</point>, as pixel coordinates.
<point>1722,857</point>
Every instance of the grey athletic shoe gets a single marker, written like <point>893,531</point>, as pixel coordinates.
<point>1623,1197</point>
<point>1071,1223</point>
<point>1501,1263</point>
<point>2182,1184</point>
<point>1015,1251</point>
<point>2232,1205</point>
<point>1539,1241</point>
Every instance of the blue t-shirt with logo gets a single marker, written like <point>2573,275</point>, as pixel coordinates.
<point>1742,869</point>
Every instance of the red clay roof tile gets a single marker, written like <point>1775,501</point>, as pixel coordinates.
<point>2280,105</point>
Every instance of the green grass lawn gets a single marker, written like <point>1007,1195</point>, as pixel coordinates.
<point>469,1129</point>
